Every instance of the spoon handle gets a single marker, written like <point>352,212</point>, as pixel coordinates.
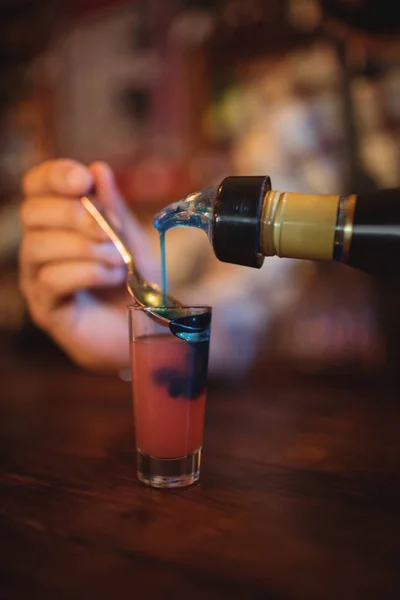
<point>109,230</point>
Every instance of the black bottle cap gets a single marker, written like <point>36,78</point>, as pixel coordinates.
<point>236,220</point>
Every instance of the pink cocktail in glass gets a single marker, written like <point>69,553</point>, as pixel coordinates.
<point>169,380</point>
<point>168,423</point>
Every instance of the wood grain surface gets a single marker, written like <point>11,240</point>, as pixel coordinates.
<point>299,496</point>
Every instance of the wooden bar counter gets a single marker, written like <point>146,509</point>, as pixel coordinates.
<point>299,496</point>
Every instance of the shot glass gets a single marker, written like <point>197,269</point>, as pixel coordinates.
<point>169,380</point>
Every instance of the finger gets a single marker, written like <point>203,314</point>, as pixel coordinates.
<point>57,281</point>
<point>108,193</point>
<point>54,212</point>
<point>65,177</point>
<point>52,246</point>
<point>110,197</point>
<point>123,219</point>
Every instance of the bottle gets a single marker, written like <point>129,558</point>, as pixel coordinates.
<point>246,221</point>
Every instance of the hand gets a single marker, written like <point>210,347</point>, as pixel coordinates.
<point>71,275</point>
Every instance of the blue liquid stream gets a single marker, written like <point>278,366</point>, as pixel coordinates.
<point>163,268</point>
<point>195,210</point>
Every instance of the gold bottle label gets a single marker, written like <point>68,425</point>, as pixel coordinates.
<point>299,225</point>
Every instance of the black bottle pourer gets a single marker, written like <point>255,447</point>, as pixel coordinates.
<point>236,220</point>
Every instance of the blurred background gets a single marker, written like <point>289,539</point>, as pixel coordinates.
<point>178,94</point>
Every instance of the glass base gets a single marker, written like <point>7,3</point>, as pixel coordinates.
<point>168,472</point>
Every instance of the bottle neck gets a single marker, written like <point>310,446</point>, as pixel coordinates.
<point>250,221</point>
<point>307,226</point>
<point>375,238</point>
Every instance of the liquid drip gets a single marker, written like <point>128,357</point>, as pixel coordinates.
<point>163,268</point>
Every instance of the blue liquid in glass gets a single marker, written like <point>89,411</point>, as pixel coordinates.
<point>195,330</point>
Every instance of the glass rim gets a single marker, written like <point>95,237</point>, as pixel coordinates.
<point>158,308</point>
